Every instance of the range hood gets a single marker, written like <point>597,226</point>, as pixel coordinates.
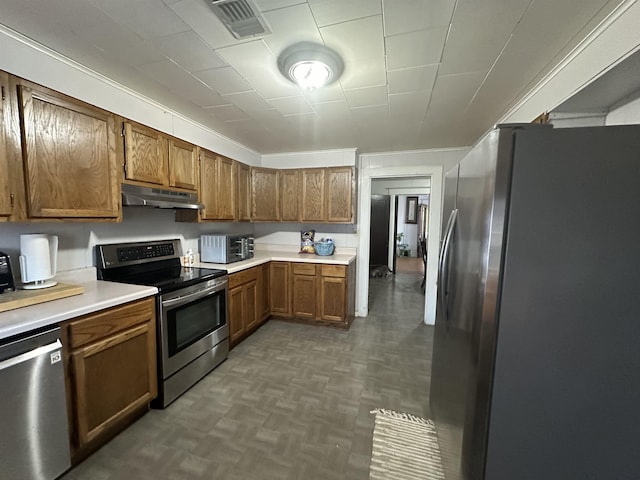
<point>137,196</point>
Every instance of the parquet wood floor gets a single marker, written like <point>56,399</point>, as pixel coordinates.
<point>291,402</point>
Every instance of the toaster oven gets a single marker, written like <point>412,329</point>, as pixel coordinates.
<point>226,248</point>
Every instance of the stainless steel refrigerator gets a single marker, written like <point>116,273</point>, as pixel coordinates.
<point>536,359</point>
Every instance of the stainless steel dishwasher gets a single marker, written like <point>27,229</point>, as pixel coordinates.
<point>34,443</point>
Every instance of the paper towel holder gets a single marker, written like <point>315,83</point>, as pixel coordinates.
<point>38,260</point>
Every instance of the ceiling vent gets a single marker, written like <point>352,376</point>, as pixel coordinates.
<point>241,17</point>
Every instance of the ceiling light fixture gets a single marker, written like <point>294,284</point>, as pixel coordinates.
<point>310,65</point>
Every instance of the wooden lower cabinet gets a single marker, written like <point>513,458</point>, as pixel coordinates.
<point>244,298</point>
<point>110,365</point>
<point>279,292</point>
<point>319,293</point>
<point>304,286</point>
<point>264,307</point>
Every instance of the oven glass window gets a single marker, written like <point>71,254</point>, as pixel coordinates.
<point>189,323</point>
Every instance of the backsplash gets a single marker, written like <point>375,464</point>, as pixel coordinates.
<point>76,240</point>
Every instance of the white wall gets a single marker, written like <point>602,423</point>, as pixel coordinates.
<point>325,158</point>
<point>628,113</point>
<point>76,240</point>
<point>393,165</point>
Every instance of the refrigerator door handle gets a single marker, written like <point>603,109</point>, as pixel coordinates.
<point>444,264</point>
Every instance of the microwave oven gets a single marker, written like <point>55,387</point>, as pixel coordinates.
<point>226,248</point>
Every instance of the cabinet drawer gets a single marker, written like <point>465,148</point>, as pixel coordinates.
<point>334,271</point>
<point>95,326</point>
<point>243,277</point>
<point>303,268</point>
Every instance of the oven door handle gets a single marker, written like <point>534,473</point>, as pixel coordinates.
<point>193,296</point>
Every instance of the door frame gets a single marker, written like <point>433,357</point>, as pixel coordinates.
<point>433,244</point>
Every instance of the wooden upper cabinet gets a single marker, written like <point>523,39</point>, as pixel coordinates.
<point>69,154</point>
<point>217,187</point>
<point>183,164</point>
<point>146,156</point>
<point>5,189</point>
<point>312,201</point>
<point>244,192</point>
<point>227,189</point>
<point>157,159</point>
<point>340,194</point>
<point>289,195</point>
<point>265,195</point>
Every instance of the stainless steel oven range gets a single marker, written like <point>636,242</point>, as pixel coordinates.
<point>191,309</point>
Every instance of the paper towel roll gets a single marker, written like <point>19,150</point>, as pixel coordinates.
<point>38,257</point>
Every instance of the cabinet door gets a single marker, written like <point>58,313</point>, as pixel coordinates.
<point>333,298</point>
<point>304,290</point>
<point>183,164</point>
<point>244,192</point>
<point>217,187</point>
<point>146,155</point>
<point>289,195</point>
<point>312,201</point>
<point>5,190</point>
<point>236,314</point>
<point>250,301</point>
<point>208,185</point>
<point>264,309</point>
<point>279,295</point>
<point>265,194</point>
<point>69,150</point>
<point>227,189</point>
<point>340,194</point>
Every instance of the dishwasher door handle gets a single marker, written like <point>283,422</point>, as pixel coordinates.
<point>31,354</point>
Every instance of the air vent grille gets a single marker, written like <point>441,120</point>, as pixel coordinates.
<point>241,17</point>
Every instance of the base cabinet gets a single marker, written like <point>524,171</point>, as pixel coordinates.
<point>279,291</point>
<point>319,293</point>
<point>245,314</point>
<point>110,360</point>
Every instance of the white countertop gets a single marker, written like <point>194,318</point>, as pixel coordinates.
<point>280,256</point>
<point>97,295</point>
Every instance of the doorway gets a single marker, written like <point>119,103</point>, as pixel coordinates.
<point>424,176</point>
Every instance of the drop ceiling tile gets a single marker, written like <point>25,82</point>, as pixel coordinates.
<point>202,20</point>
<point>200,94</point>
<point>454,92</point>
<point>328,93</point>
<point>147,18</point>
<point>356,40</point>
<point>329,12</point>
<point>224,80</point>
<point>403,16</point>
<point>189,51</point>
<point>363,97</point>
<point>248,101</point>
<point>291,105</point>
<point>167,73</point>
<point>410,106</point>
<point>118,42</point>
<point>337,111</point>
<point>412,79</point>
<point>257,64</point>
<point>289,26</point>
<point>365,73</point>
<point>266,5</point>
<point>367,116</point>
<point>227,113</point>
<point>487,29</point>
<point>416,48</point>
